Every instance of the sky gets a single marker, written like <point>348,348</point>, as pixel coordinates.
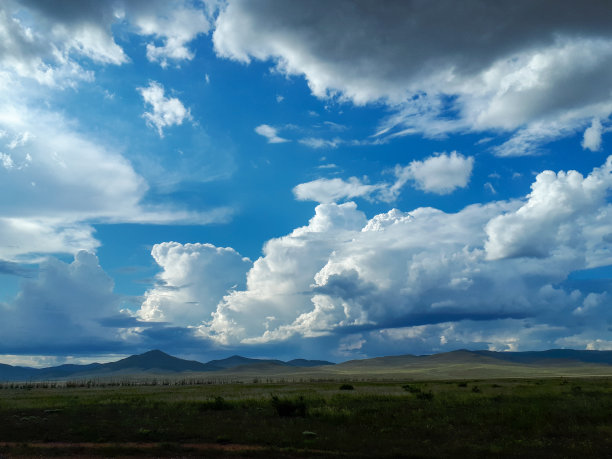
<point>284,179</point>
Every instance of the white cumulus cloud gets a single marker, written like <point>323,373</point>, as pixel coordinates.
<point>441,174</point>
<point>194,279</point>
<point>332,190</point>
<point>166,111</point>
<point>176,24</point>
<point>44,40</point>
<point>270,133</point>
<point>560,207</point>
<point>61,180</point>
<point>592,136</point>
<point>489,275</point>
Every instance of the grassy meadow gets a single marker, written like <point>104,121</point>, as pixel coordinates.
<point>549,417</point>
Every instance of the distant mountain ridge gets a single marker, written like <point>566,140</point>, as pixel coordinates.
<point>152,362</point>
<point>156,362</point>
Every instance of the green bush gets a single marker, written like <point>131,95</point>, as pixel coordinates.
<point>285,407</point>
<point>425,395</point>
<point>411,389</point>
<point>347,387</point>
<point>576,390</point>
<point>216,404</point>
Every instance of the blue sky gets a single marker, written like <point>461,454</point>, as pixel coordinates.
<point>291,179</point>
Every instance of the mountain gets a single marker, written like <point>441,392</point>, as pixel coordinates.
<point>154,360</point>
<point>448,365</point>
<point>151,362</point>
<point>463,356</point>
<point>64,371</point>
<point>237,361</point>
<point>464,364</point>
<point>10,373</point>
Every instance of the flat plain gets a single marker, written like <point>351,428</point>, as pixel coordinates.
<point>397,417</point>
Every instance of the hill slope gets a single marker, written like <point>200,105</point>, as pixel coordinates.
<point>567,355</point>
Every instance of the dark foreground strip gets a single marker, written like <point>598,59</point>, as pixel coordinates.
<point>80,449</point>
<point>125,449</point>
<point>132,445</point>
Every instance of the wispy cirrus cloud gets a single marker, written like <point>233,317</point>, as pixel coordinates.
<point>317,142</point>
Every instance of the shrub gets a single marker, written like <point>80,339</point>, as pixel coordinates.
<point>576,390</point>
<point>462,384</point>
<point>217,404</point>
<point>285,407</point>
<point>411,389</point>
<point>476,389</point>
<point>347,387</point>
<point>220,404</point>
<point>425,395</point>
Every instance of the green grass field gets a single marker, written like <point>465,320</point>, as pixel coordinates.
<point>553,417</point>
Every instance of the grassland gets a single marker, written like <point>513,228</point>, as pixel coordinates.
<point>549,417</point>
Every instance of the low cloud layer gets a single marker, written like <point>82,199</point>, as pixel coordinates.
<point>489,276</point>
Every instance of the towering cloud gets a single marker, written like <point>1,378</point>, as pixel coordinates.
<point>62,311</point>
<point>194,279</point>
<point>424,276</point>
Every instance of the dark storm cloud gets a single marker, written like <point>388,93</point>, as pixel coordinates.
<point>543,68</point>
<point>397,40</point>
